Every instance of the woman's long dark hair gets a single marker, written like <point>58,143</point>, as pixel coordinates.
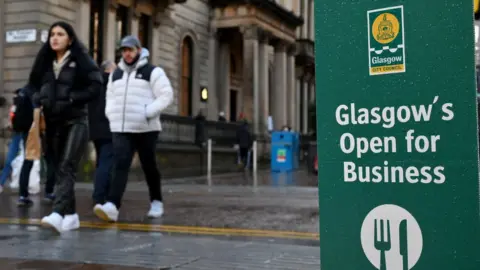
<point>46,56</point>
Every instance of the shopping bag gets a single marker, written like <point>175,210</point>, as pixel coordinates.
<point>33,149</point>
<point>34,177</point>
<point>34,181</point>
<point>17,168</point>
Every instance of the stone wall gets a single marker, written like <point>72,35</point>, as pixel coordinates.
<point>179,21</point>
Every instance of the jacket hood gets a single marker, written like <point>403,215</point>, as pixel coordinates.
<point>142,60</point>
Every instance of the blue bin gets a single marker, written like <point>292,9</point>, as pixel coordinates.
<point>283,151</point>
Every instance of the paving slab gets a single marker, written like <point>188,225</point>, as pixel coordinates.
<point>19,264</point>
<point>103,248</point>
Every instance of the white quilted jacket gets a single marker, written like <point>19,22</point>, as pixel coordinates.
<point>133,104</point>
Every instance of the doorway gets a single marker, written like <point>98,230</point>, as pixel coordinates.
<point>186,92</point>
<point>233,106</point>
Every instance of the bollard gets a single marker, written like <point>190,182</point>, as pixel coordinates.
<point>209,162</point>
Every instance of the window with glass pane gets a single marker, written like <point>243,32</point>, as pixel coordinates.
<point>122,27</point>
<point>97,13</point>
<point>144,30</point>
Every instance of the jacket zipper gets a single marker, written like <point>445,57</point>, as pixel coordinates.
<point>125,102</point>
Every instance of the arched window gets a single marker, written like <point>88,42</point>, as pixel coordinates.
<point>187,77</point>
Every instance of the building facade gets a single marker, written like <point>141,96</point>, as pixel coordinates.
<point>253,57</point>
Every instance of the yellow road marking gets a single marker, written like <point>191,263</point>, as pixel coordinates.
<point>178,229</point>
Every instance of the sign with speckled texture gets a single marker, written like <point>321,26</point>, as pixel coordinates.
<point>397,153</point>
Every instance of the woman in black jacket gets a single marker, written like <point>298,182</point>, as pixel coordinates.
<point>63,80</point>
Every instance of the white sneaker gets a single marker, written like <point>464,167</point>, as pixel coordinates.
<point>71,222</point>
<point>107,212</point>
<point>156,209</point>
<point>53,221</point>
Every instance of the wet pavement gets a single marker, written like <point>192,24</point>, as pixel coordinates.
<point>287,209</point>
<point>218,227</point>
<point>30,264</point>
<point>31,247</point>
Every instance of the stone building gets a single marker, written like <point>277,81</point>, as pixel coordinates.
<point>254,57</point>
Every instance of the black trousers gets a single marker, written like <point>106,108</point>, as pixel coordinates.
<point>243,152</point>
<point>66,144</point>
<point>124,147</point>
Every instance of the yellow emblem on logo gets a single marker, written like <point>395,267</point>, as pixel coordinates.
<point>385,28</point>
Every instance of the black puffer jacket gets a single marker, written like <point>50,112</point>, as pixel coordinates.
<point>65,98</point>
<point>97,121</point>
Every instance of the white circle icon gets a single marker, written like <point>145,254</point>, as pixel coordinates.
<point>391,238</point>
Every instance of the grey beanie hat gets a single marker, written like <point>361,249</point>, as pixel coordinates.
<point>130,42</point>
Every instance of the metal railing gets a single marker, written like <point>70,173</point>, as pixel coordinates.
<point>183,130</point>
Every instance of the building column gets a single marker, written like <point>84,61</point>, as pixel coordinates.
<point>280,95</point>
<point>298,109</point>
<point>304,27</point>
<point>110,27</point>
<point>305,106</point>
<point>82,21</point>
<point>263,76</point>
<point>213,96</point>
<point>250,91</point>
<point>311,91</point>
<point>291,89</point>
<point>154,50</point>
<point>309,20</point>
<point>2,48</point>
<point>224,78</point>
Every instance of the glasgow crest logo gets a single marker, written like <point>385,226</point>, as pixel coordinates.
<point>386,41</point>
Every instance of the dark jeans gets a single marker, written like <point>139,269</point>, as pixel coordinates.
<point>103,171</point>
<point>124,146</point>
<point>25,177</point>
<point>66,145</point>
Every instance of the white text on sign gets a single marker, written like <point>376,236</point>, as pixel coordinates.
<point>389,117</point>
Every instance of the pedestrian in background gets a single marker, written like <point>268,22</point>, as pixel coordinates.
<point>137,93</point>
<point>21,117</point>
<point>200,132</point>
<point>63,80</point>
<point>101,136</point>
<point>244,142</point>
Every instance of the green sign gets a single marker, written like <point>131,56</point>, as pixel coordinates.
<point>397,146</point>
<point>386,42</point>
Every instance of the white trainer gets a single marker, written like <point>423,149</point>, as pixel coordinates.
<point>71,222</point>
<point>53,221</point>
<point>107,212</point>
<point>156,209</point>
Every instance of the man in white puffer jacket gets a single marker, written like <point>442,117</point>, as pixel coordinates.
<point>137,92</point>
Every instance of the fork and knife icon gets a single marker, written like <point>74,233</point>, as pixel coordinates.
<point>383,242</point>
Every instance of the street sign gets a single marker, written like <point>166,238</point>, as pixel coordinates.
<point>397,135</point>
<point>19,36</point>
